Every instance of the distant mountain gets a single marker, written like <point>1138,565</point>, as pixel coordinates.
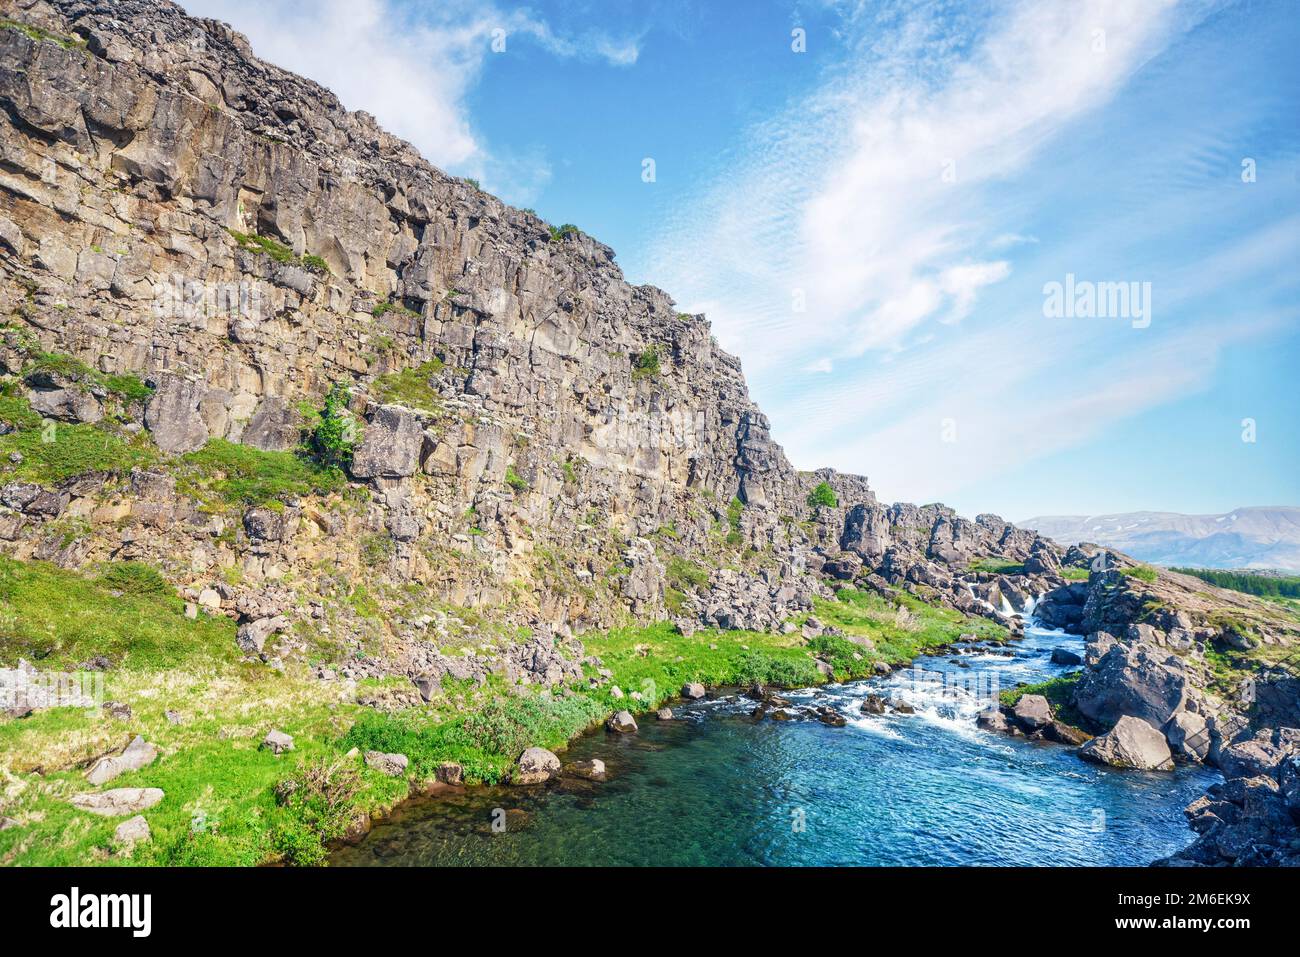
<point>1259,537</point>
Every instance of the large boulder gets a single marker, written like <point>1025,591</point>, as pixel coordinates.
<point>1132,743</point>
<point>1032,712</point>
<point>623,723</point>
<point>274,426</point>
<point>136,755</point>
<point>1188,735</point>
<point>119,801</point>
<point>172,415</point>
<point>393,765</point>
<point>693,690</point>
<point>390,446</point>
<point>1141,680</point>
<point>536,766</point>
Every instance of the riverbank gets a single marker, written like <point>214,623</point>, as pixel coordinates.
<point>228,800</point>
<point>916,784</point>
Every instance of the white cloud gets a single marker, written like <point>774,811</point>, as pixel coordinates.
<point>883,175</point>
<point>411,67</point>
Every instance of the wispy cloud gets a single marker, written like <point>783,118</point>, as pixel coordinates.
<point>412,66</point>
<point>918,202</point>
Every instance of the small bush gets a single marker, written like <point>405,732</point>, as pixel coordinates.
<point>135,578</point>
<point>646,365</point>
<point>515,480</point>
<point>560,232</point>
<point>334,438</point>
<point>318,805</point>
<point>823,496</point>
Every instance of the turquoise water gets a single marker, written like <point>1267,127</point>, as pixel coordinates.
<point>717,788</point>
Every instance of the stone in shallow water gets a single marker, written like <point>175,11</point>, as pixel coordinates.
<point>623,722</point>
<point>1132,743</point>
<point>592,770</point>
<point>536,765</point>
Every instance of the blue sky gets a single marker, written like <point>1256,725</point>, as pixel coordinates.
<point>870,224</point>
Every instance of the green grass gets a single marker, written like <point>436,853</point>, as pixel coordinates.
<point>38,33</point>
<point>1071,574</point>
<point>1141,572</point>
<point>229,474</point>
<point>515,480</point>
<point>895,637</point>
<point>393,306</point>
<point>277,251</point>
<point>410,387</point>
<point>129,614</point>
<point>996,566</point>
<point>55,451</point>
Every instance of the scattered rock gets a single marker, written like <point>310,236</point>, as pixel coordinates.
<point>1032,712</point>
<point>449,772</point>
<point>536,766</point>
<point>1063,656</point>
<point>873,704</point>
<point>277,742</point>
<point>664,714</point>
<point>133,831</point>
<point>693,691</point>
<point>119,801</point>
<point>393,765</point>
<point>1188,735</point>
<point>992,719</point>
<point>136,755</point>
<point>117,710</point>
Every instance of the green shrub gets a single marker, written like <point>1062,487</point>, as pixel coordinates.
<point>515,480</point>
<point>646,365</point>
<point>334,438</point>
<point>823,496</point>
<point>318,804</point>
<point>559,232</point>
<point>734,510</point>
<point>135,578</point>
<point>684,574</point>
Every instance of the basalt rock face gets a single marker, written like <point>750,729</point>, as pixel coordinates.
<point>174,208</point>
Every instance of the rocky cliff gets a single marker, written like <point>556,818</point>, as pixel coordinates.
<point>196,248</point>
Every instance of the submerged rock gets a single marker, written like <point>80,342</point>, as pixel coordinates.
<point>591,770</point>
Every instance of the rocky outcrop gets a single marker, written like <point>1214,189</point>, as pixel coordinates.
<point>1140,679</point>
<point>1251,819</point>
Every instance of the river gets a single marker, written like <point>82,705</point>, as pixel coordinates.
<point>717,788</point>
